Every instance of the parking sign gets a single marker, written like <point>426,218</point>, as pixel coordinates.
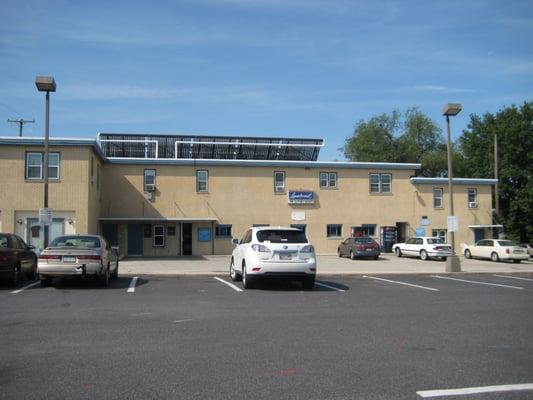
<point>45,216</point>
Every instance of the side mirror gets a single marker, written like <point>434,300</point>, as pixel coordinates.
<point>235,241</point>
<point>31,247</point>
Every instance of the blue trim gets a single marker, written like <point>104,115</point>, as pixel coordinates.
<point>266,163</point>
<point>456,181</point>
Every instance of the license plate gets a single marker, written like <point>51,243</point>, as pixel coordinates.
<point>69,259</point>
<point>368,249</point>
<point>285,256</point>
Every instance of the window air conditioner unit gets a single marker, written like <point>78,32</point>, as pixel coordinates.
<point>472,204</point>
<point>280,188</point>
<point>150,187</point>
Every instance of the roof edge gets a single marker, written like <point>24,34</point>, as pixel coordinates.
<point>458,181</point>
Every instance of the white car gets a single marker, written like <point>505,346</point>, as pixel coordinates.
<point>273,252</point>
<point>423,247</point>
<point>496,250</point>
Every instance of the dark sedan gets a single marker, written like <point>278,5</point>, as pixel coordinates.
<point>359,247</point>
<point>16,259</point>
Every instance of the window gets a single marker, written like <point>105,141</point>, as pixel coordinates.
<point>34,165</point>
<point>437,197</point>
<point>301,227</point>
<point>380,183</point>
<point>472,198</point>
<point>149,180</point>
<point>159,236</point>
<point>328,179</point>
<point>334,231</point>
<point>259,225</point>
<point>369,229</point>
<point>202,178</point>
<point>279,181</point>
<point>439,233</point>
<point>223,230</point>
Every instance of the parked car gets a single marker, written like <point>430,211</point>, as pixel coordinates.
<point>273,252</point>
<point>528,247</point>
<point>84,256</point>
<point>357,247</point>
<point>496,250</point>
<point>423,247</point>
<point>17,259</point>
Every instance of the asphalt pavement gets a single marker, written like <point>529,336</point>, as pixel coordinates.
<point>352,337</point>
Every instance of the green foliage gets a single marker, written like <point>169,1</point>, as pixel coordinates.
<point>514,129</point>
<point>412,138</point>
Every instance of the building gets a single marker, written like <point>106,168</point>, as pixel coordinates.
<point>171,195</point>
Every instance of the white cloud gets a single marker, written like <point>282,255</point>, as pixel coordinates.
<point>443,89</point>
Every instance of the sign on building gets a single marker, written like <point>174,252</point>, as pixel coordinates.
<point>298,216</point>
<point>45,216</point>
<point>453,223</point>
<point>301,197</point>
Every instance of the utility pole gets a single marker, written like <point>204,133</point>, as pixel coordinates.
<point>21,123</point>
<point>496,194</point>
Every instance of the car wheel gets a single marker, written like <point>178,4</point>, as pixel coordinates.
<point>494,257</point>
<point>443,258</point>
<point>247,281</point>
<point>235,277</point>
<point>104,279</point>
<point>339,252</point>
<point>376,257</point>
<point>32,274</point>
<point>398,252</point>
<point>308,283</point>
<point>423,255</point>
<point>45,281</point>
<point>352,255</point>
<point>517,261</point>
<point>114,274</point>
<point>15,275</point>
<point>468,254</point>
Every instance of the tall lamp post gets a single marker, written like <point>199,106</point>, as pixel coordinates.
<point>453,263</point>
<point>46,84</point>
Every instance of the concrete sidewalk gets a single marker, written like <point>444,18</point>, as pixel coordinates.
<point>326,265</point>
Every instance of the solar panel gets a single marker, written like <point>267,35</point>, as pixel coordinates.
<point>122,145</point>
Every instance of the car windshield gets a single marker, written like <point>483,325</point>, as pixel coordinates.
<point>88,242</point>
<point>281,236</point>
<point>435,241</point>
<point>364,240</point>
<point>505,243</point>
<point>4,241</point>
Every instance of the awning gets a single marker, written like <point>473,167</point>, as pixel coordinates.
<point>157,219</point>
<point>484,226</point>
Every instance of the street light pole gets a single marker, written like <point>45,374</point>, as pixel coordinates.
<point>46,84</point>
<point>453,263</point>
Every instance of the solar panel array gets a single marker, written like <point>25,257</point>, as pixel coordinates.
<point>118,145</point>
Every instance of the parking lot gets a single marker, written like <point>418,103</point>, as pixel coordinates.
<point>352,337</point>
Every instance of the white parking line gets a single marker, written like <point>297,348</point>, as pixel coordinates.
<point>478,282</point>
<point>25,287</point>
<point>402,283</point>
<point>131,289</point>
<point>329,287</point>
<point>513,277</point>
<point>231,285</point>
<point>426,394</point>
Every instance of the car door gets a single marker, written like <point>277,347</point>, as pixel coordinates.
<point>417,246</point>
<point>477,249</point>
<point>346,246</point>
<point>410,246</point>
<point>240,250</point>
<point>488,248</point>
<point>27,254</point>
<point>18,251</point>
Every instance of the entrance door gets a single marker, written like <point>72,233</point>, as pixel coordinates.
<point>479,234</point>
<point>110,232</point>
<point>187,239</point>
<point>401,232</point>
<point>35,232</point>
<point>135,240</point>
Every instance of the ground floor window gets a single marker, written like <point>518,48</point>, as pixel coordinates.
<point>159,236</point>
<point>223,231</point>
<point>334,231</point>
<point>440,233</point>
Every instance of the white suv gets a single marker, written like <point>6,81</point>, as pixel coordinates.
<point>273,252</point>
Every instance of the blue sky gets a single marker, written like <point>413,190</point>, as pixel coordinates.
<point>297,68</point>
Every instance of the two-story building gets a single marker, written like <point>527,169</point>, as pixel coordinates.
<point>172,195</point>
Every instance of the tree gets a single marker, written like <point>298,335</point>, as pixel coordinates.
<point>514,129</point>
<point>412,138</point>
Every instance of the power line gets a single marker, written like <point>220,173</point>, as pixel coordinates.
<point>21,123</point>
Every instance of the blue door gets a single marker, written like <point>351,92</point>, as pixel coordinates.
<point>135,240</point>
<point>479,234</point>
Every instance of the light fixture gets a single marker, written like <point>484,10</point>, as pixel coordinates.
<point>70,221</point>
<point>20,221</point>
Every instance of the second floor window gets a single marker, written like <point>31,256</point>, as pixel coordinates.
<point>202,181</point>
<point>380,183</point>
<point>328,179</point>
<point>34,165</point>
<point>437,197</point>
<point>472,198</point>
<point>279,181</point>
<point>149,180</point>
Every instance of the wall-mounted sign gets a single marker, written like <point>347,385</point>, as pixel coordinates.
<point>425,221</point>
<point>204,234</point>
<point>420,232</point>
<point>301,197</point>
<point>453,223</point>
<point>45,216</point>
<point>298,216</point>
